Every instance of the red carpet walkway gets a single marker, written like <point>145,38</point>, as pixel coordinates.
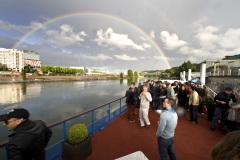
<point>119,138</point>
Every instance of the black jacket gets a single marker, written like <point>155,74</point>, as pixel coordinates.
<point>130,98</point>
<point>224,97</point>
<point>28,141</point>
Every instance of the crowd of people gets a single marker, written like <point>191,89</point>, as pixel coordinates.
<point>187,96</point>
<point>29,138</point>
<point>165,98</point>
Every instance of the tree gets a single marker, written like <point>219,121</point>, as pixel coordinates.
<point>3,67</point>
<point>59,70</point>
<point>130,73</point>
<point>136,74</point>
<point>45,68</point>
<point>121,75</point>
<point>23,74</point>
<point>35,73</point>
<point>28,69</point>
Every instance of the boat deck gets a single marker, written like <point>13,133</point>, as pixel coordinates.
<point>121,138</point>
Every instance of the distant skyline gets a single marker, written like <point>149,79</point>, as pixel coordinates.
<point>121,35</point>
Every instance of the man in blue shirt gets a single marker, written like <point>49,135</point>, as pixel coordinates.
<point>166,130</point>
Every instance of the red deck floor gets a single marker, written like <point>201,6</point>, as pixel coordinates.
<point>119,138</point>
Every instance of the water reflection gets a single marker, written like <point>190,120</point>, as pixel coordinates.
<point>11,94</point>
<point>55,101</point>
<point>24,88</point>
<point>121,81</point>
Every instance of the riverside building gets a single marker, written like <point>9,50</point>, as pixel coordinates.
<point>16,60</point>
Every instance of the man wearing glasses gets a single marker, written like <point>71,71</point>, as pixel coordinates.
<point>28,138</point>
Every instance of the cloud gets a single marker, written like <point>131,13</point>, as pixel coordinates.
<point>146,45</point>
<point>125,57</point>
<point>142,38</point>
<point>19,29</point>
<point>230,39</point>
<point>171,41</point>
<point>213,41</point>
<point>168,58</point>
<point>111,39</point>
<point>194,52</point>
<point>65,36</point>
<point>99,57</point>
<point>207,38</point>
<point>152,34</point>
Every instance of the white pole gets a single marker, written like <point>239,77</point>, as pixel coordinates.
<point>189,74</point>
<point>184,79</point>
<point>203,73</point>
<point>181,76</point>
<point>228,69</point>
<point>214,69</point>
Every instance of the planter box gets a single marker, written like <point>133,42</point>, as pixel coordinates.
<point>77,152</point>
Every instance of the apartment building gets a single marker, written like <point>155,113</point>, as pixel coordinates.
<point>16,60</point>
<point>12,58</point>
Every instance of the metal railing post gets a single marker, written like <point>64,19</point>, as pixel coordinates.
<point>93,121</point>
<point>121,105</point>
<point>109,112</point>
<point>64,130</point>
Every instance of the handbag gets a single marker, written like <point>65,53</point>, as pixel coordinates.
<point>231,114</point>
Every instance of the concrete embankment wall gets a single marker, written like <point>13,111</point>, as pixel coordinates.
<point>218,83</point>
<point>18,79</point>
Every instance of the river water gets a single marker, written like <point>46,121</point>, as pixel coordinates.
<point>55,101</point>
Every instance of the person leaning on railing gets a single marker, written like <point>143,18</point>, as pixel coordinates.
<point>28,138</point>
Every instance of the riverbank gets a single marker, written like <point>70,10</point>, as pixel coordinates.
<point>18,79</point>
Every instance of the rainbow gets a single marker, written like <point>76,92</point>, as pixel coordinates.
<point>95,14</point>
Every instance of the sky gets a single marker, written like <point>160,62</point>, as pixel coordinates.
<point>118,35</point>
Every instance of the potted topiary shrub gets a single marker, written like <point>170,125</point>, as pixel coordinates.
<point>210,104</point>
<point>78,145</point>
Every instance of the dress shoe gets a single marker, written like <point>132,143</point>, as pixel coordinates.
<point>147,126</point>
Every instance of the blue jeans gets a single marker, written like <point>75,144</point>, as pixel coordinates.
<point>165,148</point>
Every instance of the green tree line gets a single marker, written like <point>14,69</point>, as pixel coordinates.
<point>175,71</point>
<point>60,70</point>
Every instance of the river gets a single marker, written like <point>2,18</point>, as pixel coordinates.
<point>55,101</point>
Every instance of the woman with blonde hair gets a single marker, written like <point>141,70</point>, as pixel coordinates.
<point>228,148</point>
